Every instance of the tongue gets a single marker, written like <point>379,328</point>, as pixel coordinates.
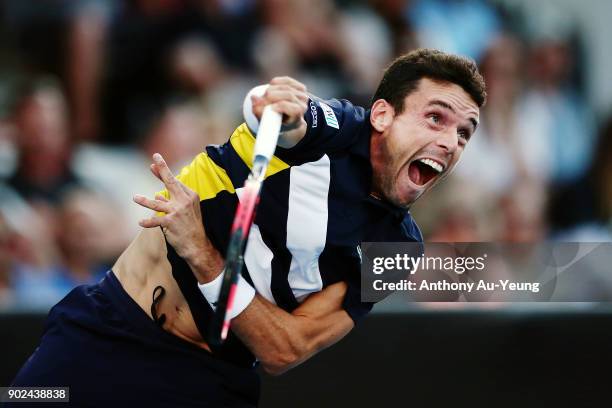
<point>414,172</point>
<point>420,174</point>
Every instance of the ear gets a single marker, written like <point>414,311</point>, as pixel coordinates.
<point>381,115</point>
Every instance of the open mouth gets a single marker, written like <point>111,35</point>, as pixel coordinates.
<point>422,171</point>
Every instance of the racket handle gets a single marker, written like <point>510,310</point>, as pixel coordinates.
<point>267,135</point>
<point>230,305</point>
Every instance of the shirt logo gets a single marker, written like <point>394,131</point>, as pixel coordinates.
<point>314,114</point>
<point>330,116</point>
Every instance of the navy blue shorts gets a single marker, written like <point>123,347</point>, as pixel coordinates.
<point>102,345</point>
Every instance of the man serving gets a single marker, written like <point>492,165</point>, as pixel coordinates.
<point>341,175</point>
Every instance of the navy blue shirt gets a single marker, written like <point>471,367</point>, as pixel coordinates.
<point>316,209</point>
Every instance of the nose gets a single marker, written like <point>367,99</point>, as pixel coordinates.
<point>448,141</point>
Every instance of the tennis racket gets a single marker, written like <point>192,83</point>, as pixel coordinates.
<point>265,144</point>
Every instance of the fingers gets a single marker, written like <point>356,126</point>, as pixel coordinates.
<point>153,222</point>
<point>292,104</point>
<point>285,80</point>
<point>154,170</point>
<point>156,205</point>
<point>280,95</point>
<point>281,92</point>
<point>192,195</point>
<point>283,89</point>
<point>292,113</point>
<point>162,171</point>
<point>189,193</point>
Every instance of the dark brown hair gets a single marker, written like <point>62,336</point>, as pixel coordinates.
<point>403,76</point>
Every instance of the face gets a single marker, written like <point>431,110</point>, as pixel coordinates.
<point>414,150</point>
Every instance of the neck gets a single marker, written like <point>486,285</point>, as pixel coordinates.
<point>377,163</point>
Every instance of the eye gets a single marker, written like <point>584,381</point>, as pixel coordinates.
<point>435,118</point>
<point>464,134</point>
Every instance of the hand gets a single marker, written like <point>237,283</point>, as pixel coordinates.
<point>182,224</point>
<point>287,96</point>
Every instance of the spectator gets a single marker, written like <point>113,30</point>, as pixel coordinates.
<point>42,172</point>
<point>582,211</point>
<point>494,159</point>
<point>43,144</point>
<point>305,39</point>
<point>602,173</point>
<point>66,39</point>
<point>157,49</point>
<point>6,264</point>
<point>458,26</point>
<point>84,224</point>
<point>180,132</point>
<point>368,42</point>
<point>402,32</point>
<point>554,101</point>
<point>141,76</point>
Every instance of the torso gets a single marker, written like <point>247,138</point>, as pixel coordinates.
<point>315,209</point>
<point>141,268</point>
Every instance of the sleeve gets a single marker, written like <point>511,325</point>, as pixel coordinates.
<point>362,294</point>
<point>332,126</point>
<point>352,303</point>
<point>343,263</point>
<point>350,260</point>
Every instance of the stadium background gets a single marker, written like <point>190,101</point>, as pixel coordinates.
<point>89,89</point>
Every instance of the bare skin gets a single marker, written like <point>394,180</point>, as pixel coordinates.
<point>280,340</point>
<point>438,120</point>
<point>436,123</point>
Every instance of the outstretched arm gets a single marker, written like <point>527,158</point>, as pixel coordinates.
<point>280,340</point>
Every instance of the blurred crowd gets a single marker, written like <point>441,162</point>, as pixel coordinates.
<point>89,89</point>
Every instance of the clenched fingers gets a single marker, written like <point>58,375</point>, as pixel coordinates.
<point>289,104</point>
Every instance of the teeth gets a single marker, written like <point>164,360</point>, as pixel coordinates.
<point>434,165</point>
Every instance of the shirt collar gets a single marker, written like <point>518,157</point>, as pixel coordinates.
<point>398,213</point>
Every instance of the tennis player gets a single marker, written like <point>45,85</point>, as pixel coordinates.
<point>341,175</point>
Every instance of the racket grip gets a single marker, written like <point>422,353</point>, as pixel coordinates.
<point>267,135</point>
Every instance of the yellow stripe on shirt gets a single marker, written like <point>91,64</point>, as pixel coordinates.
<point>204,177</point>
<point>243,142</point>
<point>207,178</point>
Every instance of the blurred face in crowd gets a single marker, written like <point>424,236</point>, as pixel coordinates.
<point>502,65</point>
<point>43,123</point>
<point>81,224</point>
<point>5,251</point>
<point>178,135</point>
<point>413,150</point>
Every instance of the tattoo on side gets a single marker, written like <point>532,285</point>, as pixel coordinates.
<point>158,293</point>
